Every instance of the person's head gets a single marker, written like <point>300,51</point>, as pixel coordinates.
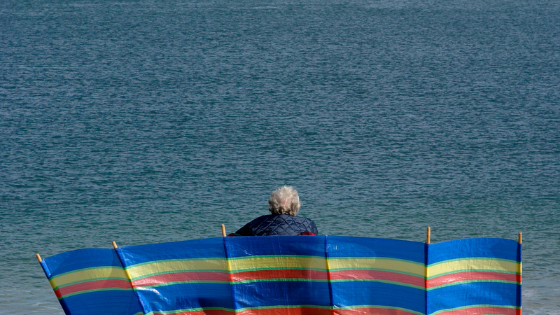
<point>284,200</point>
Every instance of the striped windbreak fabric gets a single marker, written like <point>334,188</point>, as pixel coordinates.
<point>288,275</point>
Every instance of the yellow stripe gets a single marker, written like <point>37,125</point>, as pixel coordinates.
<point>278,262</point>
<point>470,264</point>
<point>377,263</point>
<point>88,274</point>
<point>163,266</point>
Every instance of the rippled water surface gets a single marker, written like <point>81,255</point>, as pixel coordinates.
<point>151,121</point>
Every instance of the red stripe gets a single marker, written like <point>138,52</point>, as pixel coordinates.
<point>268,311</point>
<point>355,311</point>
<point>377,275</point>
<point>181,276</point>
<point>287,311</point>
<point>471,276</point>
<point>208,312</point>
<point>92,285</point>
<point>372,311</point>
<point>482,311</point>
<point>301,311</point>
<point>279,274</point>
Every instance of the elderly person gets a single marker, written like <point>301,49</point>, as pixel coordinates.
<point>283,205</point>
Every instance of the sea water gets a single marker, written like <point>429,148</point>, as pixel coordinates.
<point>152,121</point>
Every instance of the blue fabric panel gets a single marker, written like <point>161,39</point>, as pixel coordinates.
<point>102,303</point>
<point>340,246</point>
<point>347,294</point>
<point>185,296</point>
<point>117,302</point>
<point>205,248</point>
<point>474,293</point>
<point>275,245</point>
<point>81,259</point>
<point>473,247</point>
<point>258,294</point>
<point>272,293</point>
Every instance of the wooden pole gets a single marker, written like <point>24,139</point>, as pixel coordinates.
<point>428,235</point>
<point>223,230</point>
<point>114,245</point>
<point>519,311</point>
<point>38,257</point>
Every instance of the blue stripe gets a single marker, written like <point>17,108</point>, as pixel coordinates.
<point>205,248</point>
<point>102,303</point>
<point>183,296</point>
<point>259,294</point>
<point>474,247</point>
<point>80,259</point>
<point>340,246</point>
<point>346,294</point>
<point>475,293</point>
<point>276,245</point>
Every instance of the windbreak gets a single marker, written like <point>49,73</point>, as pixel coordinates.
<point>287,275</point>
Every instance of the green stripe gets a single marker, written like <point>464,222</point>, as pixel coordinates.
<point>470,281</point>
<point>474,306</point>
<point>472,258</point>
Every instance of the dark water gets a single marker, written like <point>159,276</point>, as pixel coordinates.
<point>150,121</point>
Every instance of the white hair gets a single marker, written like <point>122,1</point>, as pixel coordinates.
<point>284,200</point>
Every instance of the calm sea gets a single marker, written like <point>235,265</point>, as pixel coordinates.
<point>149,121</point>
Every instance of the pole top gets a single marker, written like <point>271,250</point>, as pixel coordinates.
<point>519,238</point>
<point>428,235</point>
<point>39,257</point>
<point>114,245</point>
<point>223,230</point>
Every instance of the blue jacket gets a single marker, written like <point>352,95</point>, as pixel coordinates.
<point>277,225</point>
